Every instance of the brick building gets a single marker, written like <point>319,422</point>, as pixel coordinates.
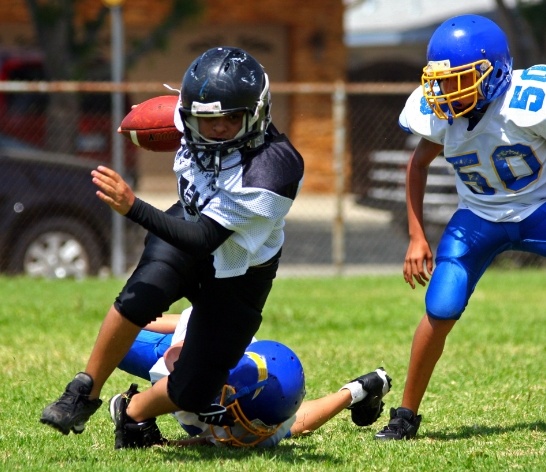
<point>296,41</point>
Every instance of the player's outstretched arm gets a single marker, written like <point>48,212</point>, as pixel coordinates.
<point>418,262</point>
<point>312,414</point>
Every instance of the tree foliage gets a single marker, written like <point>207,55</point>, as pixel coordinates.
<point>534,14</point>
<point>525,26</point>
<point>73,53</point>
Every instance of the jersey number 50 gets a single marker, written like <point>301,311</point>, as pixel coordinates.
<point>528,98</point>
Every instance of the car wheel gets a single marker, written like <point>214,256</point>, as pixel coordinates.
<point>57,248</point>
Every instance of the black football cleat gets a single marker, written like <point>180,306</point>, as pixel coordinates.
<point>402,425</point>
<point>73,408</point>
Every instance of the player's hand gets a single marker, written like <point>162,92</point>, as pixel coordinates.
<point>113,190</point>
<point>216,415</point>
<point>418,263</point>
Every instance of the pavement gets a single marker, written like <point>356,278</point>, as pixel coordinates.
<point>370,244</point>
<point>306,207</point>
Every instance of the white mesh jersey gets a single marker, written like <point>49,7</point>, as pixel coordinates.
<point>499,163</point>
<point>250,198</point>
<point>189,421</point>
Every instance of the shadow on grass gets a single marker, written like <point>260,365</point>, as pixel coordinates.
<point>288,453</point>
<point>466,432</point>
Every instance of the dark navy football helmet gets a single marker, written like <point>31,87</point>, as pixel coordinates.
<point>221,81</point>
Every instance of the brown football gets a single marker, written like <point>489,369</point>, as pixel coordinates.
<point>150,124</point>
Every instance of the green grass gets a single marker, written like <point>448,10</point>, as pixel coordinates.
<point>484,410</point>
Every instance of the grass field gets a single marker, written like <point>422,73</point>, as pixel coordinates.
<point>484,410</point>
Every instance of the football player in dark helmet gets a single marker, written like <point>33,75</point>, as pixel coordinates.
<point>490,123</point>
<point>219,246</point>
<point>223,82</point>
<point>220,82</point>
<point>263,395</point>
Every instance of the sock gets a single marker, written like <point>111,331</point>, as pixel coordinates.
<point>357,392</point>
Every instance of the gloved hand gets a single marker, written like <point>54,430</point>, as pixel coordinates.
<point>216,415</point>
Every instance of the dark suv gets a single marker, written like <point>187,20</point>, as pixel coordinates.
<point>51,222</point>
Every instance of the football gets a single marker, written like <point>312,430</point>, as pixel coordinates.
<point>150,124</point>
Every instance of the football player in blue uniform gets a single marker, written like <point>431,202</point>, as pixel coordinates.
<point>264,393</point>
<point>490,123</point>
<point>218,246</point>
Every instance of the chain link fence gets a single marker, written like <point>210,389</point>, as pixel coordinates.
<point>349,218</point>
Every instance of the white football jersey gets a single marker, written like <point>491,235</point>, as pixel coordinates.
<point>499,163</point>
<point>244,199</point>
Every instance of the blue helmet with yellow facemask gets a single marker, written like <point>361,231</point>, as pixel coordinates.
<point>473,51</point>
<point>265,389</point>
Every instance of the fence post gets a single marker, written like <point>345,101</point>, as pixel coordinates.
<point>119,246</point>
<point>339,107</point>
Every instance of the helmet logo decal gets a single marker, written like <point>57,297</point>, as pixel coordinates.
<point>261,367</point>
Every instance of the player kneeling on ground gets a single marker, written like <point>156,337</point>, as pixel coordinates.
<point>261,404</point>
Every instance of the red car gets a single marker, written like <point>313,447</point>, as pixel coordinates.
<point>25,115</point>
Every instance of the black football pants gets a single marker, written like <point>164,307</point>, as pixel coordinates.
<point>226,314</point>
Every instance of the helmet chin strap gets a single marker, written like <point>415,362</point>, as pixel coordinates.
<point>216,162</point>
<point>475,116</point>
<point>216,169</point>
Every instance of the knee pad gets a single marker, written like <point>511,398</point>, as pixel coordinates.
<point>143,299</point>
<point>163,276</point>
<point>448,292</point>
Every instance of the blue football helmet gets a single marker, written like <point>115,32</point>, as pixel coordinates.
<point>265,389</point>
<point>473,50</point>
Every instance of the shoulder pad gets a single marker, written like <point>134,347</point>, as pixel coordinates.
<point>418,118</point>
<point>525,101</point>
